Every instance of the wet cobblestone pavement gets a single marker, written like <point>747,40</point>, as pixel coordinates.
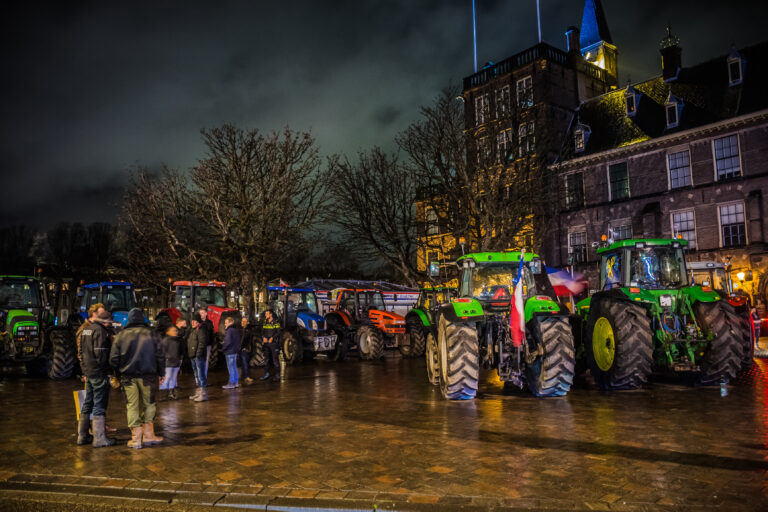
<point>359,433</point>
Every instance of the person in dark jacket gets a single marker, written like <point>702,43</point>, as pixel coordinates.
<point>95,344</point>
<point>138,359</point>
<point>197,341</point>
<point>208,325</point>
<point>231,348</point>
<point>172,350</point>
<point>93,313</point>
<point>270,334</point>
<point>246,347</point>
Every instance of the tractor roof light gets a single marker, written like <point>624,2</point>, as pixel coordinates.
<point>740,275</point>
<point>604,237</point>
<point>640,245</point>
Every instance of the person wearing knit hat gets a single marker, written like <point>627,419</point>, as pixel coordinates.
<point>137,357</point>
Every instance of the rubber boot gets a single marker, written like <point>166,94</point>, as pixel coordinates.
<point>100,438</point>
<point>136,436</point>
<point>203,395</point>
<point>196,394</point>
<point>149,436</point>
<point>83,437</point>
<point>172,394</point>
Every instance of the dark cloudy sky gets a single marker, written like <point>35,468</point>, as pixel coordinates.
<point>91,89</point>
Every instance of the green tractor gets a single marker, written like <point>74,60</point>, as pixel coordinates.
<point>474,330</point>
<point>420,321</point>
<point>648,316</point>
<point>27,333</point>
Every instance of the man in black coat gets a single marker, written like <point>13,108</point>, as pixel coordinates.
<point>197,342</point>
<point>246,347</point>
<point>231,348</point>
<point>270,334</point>
<point>138,359</point>
<point>95,344</point>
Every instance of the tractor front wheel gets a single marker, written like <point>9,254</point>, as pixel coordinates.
<point>433,360</point>
<point>258,359</point>
<point>724,354</point>
<point>370,343</point>
<point>418,339</point>
<point>619,345</point>
<point>62,354</point>
<point>551,374</point>
<point>292,348</point>
<point>459,360</point>
<point>340,350</point>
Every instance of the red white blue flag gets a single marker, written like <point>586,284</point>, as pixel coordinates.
<point>517,311</point>
<point>564,284</point>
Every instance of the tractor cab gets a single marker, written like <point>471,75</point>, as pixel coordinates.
<point>711,274</point>
<point>430,298</point>
<point>295,307</point>
<point>191,296</point>
<point>21,316</point>
<point>358,304</point>
<point>490,278</point>
<point>118,298</point>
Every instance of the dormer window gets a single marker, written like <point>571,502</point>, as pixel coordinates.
<point>673,108</point>
<point>631,99</point>
<point>580,137</point>
<point>735,67</point>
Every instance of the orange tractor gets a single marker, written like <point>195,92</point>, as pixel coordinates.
<point>360,318</point>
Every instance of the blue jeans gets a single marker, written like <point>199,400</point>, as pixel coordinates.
<point>232,368</point>
<point>171,376</point>
<point>96,396</point>
<point>245,360</point>
<point>198,367</point>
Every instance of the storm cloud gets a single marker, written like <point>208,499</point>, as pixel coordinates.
<point>93,89</point>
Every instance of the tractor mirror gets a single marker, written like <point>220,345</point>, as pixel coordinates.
<point>535,266</point>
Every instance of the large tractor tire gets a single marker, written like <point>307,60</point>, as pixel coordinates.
<point>619,345</point>
<point>215,355</point>
<point>340,351</point>
<point>744,323</point>
<point>433,360</point>
<point>62,353</point>
<point>551,374</point>
<point>459,360</point>
<point>370,343</point>
<point>258,359</point>
<point>418,340</point>
<point>724,354</point>
<point>292,348</point>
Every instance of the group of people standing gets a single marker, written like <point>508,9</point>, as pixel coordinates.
<point>138,358</point>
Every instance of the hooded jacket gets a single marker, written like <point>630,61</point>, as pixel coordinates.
<point>231,343</point>
<point>137,351</point>
<point>172,351</point>
<point>94,350</point>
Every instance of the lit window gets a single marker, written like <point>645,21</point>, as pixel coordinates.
<point>733,226</point>
<point>684,224</point>
<point>578,141</point>
<point>482,109</point>
<point>525,92</point>
<point>619,181</point>
<point>574,190</point>
<point>727,157</point>
<point>431,218</point>
<point>502,101</point>
<point>679,169</point>
<point>526,138</point>
<point>503,146</point>
<point>577,246</point>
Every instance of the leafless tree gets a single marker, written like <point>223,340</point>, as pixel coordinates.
<point>374,208</point>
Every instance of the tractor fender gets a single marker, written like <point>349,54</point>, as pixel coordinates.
<point>172,313</point>
<point>419,316</point>
<point>462,310</point>
<point>614,295</point>
<point>697,294</point>
<point>540,304</point>
<point>582,308</point>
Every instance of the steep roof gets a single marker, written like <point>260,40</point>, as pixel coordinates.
<point>594,27</point>
<point>703,89</point>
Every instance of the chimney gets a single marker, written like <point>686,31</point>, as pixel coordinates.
<point>671,56</point>
<point>572,37</point>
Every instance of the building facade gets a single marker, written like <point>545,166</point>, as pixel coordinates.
<point>681,154</point>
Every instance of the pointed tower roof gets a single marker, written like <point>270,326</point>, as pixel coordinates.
<point>594,28</point>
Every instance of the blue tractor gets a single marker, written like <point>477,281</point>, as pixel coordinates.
<point>118,298</point>
<point>304,330</point>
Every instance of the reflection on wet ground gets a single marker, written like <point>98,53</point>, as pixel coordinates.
<point>359,427</point>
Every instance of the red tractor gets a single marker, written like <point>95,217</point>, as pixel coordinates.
<point>190,296</point>
<point>360,318</point>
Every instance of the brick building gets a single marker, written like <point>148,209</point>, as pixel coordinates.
<point>685,152</point>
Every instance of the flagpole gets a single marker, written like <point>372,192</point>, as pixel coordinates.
<point>474,33</point>
<point>538,18</point>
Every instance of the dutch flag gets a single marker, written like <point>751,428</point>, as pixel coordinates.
<point>517,311</point>
<point>565,285</point>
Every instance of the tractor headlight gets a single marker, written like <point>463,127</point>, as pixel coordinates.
<point>665,301</point>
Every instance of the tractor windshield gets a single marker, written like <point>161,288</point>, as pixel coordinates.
<point>19,293</point>
<point>299,301</point>
<point>495,283</point>
<point>657,267</point>
<point>371,300</point>
<point>714,277</point>
<point>183,298</point>
<point>117,298</point>
<point>210,296</point>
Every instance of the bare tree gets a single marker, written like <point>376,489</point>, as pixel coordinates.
<point>373,202</point>
<point>491,185</point>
